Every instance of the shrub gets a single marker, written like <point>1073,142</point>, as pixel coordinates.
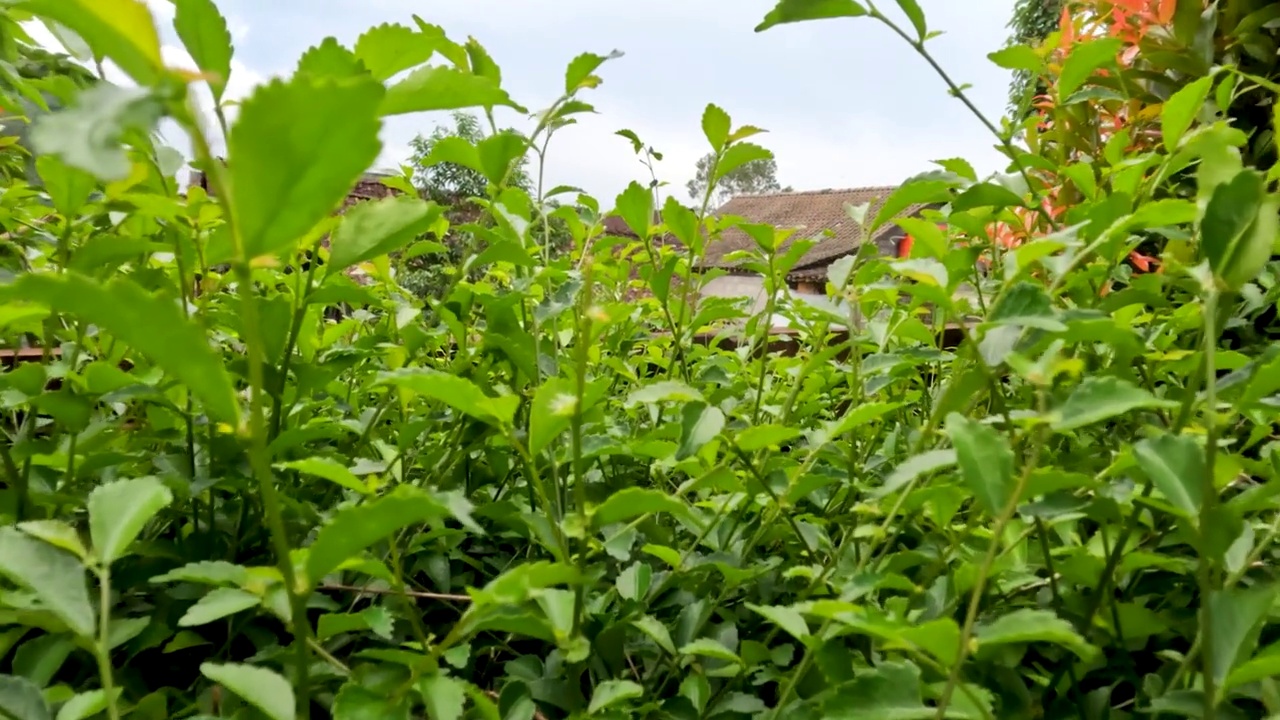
<point>533,495</point>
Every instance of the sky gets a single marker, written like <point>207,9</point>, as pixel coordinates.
<point>845,102</point>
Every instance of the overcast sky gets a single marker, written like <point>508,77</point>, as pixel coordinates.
<point>845,102</point>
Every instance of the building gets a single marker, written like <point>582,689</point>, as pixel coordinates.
<point>369,187</point>
<point>821,215</point>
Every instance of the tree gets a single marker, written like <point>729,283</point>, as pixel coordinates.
<point>757,176</point>
<point>1032,22</point>
<point>448,182</point>
<point>455,186</point>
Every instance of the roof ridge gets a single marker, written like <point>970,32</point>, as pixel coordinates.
<point>823,191</point>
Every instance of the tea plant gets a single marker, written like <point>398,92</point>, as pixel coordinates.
<point>243,482</point>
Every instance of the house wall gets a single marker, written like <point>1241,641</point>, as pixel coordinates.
<point>734,286</point>
<point>752,287</point>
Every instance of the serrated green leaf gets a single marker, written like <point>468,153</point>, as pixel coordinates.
<point>699,424</point>
<point>940,638</point>
<point>1084,60</point>
<point>1231,209</point>
<point>635,501</point>
<point>1026,305</point>
<point>126,629</point>
<point>433,87</point>
<point>554,406</point>
<point>331,624</point>
<point>207,572</point>
<point>613,692</point>
<point>681,221</point>
<point>1018,57</point>
<point>39,658</point>
<point>890,691</point>
<point>788,619</point>
<point>218,604</point>
<point>375,228</point>
<point>1101,398</point>
<point>914,467</point>
<point>295,151</point>
<point>1176,465</point>
<point>580,73</point>
<point>329,60</point>
<point>737,156</point>
<point>764,436</point>
<point>355,528</point>
<point>69,187</point>
<point>119,510</point>
<point>986,195</point>
<point>456,150</point>
<point>357,703</point>
<point>1237,615</point>
<point>663,391</point>
<point>84,705</point>
<point>389,49</point>
<point>121,30</point>
<point>861,415</point>
<point>56,577</point>
<point>912,10</point>
<point>633,583</point>
<point>456,392</point>
<point>1265,664</point>
<point>482,63</point>
<point>635,206</point>
<point>790,11</point>
<point>204,33</point>
<point>652,627</point>
<point>328,469</point>
<point>20,699</point>
<point>1253,249</point>
<point>57,534</point>
<point>913,192</point>
<point>150,324</point>
<point>716,125</point>
<point>1181,109</point>
<point>1031,626</point>
<point>986,461</point>
<point>710,648</point>
<point>445,697</point>
<point>260,687</point>
<point>183,640</point>
<point>87,135</point>
<point>498,153</point>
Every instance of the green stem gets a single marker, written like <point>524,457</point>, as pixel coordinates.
<point>980,584</point>
<point>259,456</point>
<point>958,93</point>
<point>17,481</point>
<point>1208,574</point>
<point>104,643</point>
<point>295,327</point>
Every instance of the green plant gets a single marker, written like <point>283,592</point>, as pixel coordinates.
<point>529,494</point>
<point>757,176</point>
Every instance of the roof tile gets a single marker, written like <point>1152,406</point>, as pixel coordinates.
<point>810,214</point>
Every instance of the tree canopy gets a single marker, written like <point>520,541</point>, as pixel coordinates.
<point>757,176</point>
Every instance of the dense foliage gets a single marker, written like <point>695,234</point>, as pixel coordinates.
<point>239,483</point>
<point>1031,23</point>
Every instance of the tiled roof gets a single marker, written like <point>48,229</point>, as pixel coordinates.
<point>368,187</point>
<point>613,224</point>
<point>810,214</point>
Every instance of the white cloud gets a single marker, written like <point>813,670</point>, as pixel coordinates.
<point>240,84</point>
<point>845,103</point>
